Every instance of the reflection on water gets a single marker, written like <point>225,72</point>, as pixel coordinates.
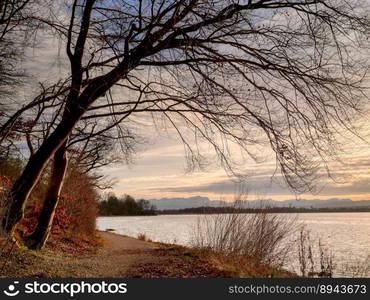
<point>346,235</point>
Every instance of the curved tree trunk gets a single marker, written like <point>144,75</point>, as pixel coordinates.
<point>76,106</point>
<point>39,237</point>
<point>32,172</point>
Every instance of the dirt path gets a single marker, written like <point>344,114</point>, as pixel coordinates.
<point>130,257</point>
<point>119,256</point>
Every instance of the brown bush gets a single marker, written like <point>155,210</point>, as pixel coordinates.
<point>10,169</point>
<point>80,198</point>
<point>77,208</point>
<point>28,224</point>
<point>262,238</point>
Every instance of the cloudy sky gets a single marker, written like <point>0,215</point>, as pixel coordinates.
<point>159,167</point>
<point>159,170</point>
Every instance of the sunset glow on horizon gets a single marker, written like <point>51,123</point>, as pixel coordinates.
<point>159,171</point>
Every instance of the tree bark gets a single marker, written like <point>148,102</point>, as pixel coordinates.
<point>32,172</point>
<point>76,106</point>
<point>39,237</point>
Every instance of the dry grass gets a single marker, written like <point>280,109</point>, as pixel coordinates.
<point>239,267</point>
<point>357,268</point>
<point>315,260</point>
<point>60,258</point>
<point>258,243</point>
<point>143,237</point>
<point>263,244</point>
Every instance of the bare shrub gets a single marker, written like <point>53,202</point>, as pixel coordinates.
<point>264,238</point>
<point>315,260</point>
<point>143,237</point>
<point>358,268</point>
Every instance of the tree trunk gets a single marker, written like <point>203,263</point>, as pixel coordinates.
<point>76,105</point>
<point>39,237</point>
<point>32,172</point>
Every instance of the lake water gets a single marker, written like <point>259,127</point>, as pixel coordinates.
<point>345,235</point>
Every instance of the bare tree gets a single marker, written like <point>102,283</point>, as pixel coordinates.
<point>16,26</point>
<point>89,149</point>
<point>11,12</point>
<point>285,73</point>
<point>10,52</point>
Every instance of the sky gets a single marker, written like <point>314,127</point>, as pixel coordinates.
<point>159,170</point>
<point>159,167</point>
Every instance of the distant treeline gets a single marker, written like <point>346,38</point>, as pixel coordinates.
<point>217,210</point>
<point>125,206</point>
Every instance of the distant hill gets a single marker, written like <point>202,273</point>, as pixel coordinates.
<point>198,201</point>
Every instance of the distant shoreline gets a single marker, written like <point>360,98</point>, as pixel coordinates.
<point>227,210</point>
<point>217,210</point>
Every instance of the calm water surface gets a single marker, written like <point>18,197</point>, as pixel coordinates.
<point>346,235</point>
